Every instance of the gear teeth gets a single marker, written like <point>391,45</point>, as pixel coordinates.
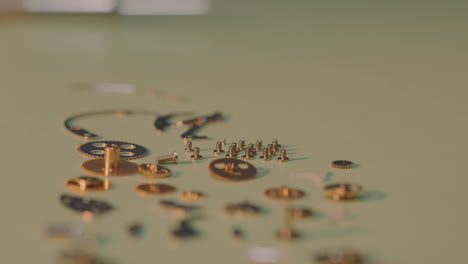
<point>342,164</point>
<point>137,150</point>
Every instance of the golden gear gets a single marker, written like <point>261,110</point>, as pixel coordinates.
<point>95,149</point>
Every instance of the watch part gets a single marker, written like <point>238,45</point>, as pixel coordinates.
<point>196,154</point>
<point>111,165</point>
<point>343,191</point>
<point>154,189</point>
<point>283,157</point>
<point>244,208</point>
<point>191,195</point>
<point>284,193</point>
<point>233,169</point>
<point>342,164</point>
<point>129,151</point>
<point>85,204</point>
<point>153,170</point>
<point>168,158</point>
<point>87,183</point>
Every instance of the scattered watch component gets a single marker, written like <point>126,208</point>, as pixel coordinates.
<point>191,195</point>
<point>300,212</point>
<point>184,230</point>
<point>252,149</point>
<point>111,165</point>
<point>219,148</point>
<point>197,123</point>
<point>223,141</point>
<point>233,169</point>
<point>86,134</point>
<point>276,145</point>
<point>283,157</point>
<point>237,232</point>
<point>244,208</point>
<point>232,153</point>
<point>266,155</point>
<point>95,149</point>
<point>153,170</point>
<point>234,147</point>
<point>162,122</point>
<point>135,229</point>
<point>169,204</point>
<point>343,191</point>
<point>154,189</point>
<point>196,154</point>
<point>342,164</point>
<point>87,183</point>
<point>284,193</point>
<point>271,150</point>
<point>259,146</point>
<point>286,232</point>
<point>241,145</point>
<point>188,146</point>
<point>345,256</point>
<point>248,154</point>
<point>63,231</point>
<point>85,204</point>
<point>168,158</point>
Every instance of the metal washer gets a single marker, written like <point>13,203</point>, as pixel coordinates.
<point>129,151</point>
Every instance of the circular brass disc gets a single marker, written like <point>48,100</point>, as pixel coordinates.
<point>153,170</point>
<point>96,167</point>
<point>343,191</point>
<point>284,193</point>
<point>128,151</point>
<point>342,164</point>
<point>233,169</point>
<point>154,188</point>
<point>191,195</point>
<point>86,183</point>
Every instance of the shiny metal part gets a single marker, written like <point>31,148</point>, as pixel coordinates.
<point>233,169</point>
<point>271,150</point>
<point>223,141</point>
<point>219,149</point>
<point>86,134</point>
<point>111,165</point>
<point>343,191</point>
<point>232,153</point>
<point>241,145</point>
<point>154,189</point>
<point>188,146</point>
<point>154,170</point>
<point>252,149</point>
<point>85,204</point>
<point>87,183</point>
<point>266,155</point>
<point>342,164</point>
<point>345,256</point>
<point>248,154</point>
<point>283,157</point>
<point>196,154</point>
<point>191,195</point>
<point>128,151</point>
<point>259,146</point>
<point>284,193</point>
<point>168,158</point>
<point>276,145</point>
<point>244,208</point>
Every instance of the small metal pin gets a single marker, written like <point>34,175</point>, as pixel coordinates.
<point>271,150</point>
<point>252,149</point>
<point>167,159</point>
<point>196,154</point>
<point>111,159</point>
<point>283,156</point>
<point>248,154</point>
<point>234,145</point>
<point>232,153</point>
<point>258,146</point>
<point>188,146</point>
<point>241,145</point>
<point>223,141</point>
<point>266,155</point>
<point>219,148</point>
<point>276,144</point>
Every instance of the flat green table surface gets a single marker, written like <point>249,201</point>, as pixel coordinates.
<point>383,84</point>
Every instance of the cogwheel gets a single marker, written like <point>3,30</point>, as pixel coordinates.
<point>342,164</point>
<point>128,151</point>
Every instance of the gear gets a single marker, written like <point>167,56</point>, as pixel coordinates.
<point>342,164</point>
<point>129,151</point>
